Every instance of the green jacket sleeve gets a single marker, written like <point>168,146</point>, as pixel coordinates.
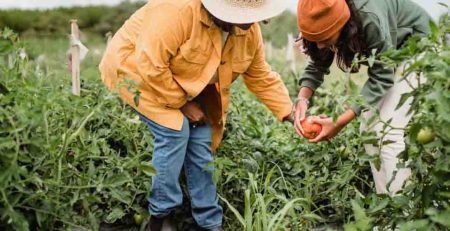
<point>313,73</point>
<point>381,77</point>
<point>412,17</point>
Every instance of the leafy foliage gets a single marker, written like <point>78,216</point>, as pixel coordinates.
<point>102,19</point>
<point>96,19</point>
<point>71,162</point>
<point>65,160</point>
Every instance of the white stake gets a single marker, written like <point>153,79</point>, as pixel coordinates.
<point>269,50</point>
<point>108,37</point>
<point>75,55</point>
<point>290,55</point>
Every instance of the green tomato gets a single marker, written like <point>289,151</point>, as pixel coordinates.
<point>342,150</point>
<point>138,218</point>
<point>425,136</point>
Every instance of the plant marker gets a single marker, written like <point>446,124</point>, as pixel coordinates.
<point>75,57</point>
<point>77,53</point>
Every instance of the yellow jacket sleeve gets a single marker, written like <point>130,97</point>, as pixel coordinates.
<point>267,84</point>
<point>161,36</point>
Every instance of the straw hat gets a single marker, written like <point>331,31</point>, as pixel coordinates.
<point>245,11</point>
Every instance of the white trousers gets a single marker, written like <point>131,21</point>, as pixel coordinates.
<point>389,179</point>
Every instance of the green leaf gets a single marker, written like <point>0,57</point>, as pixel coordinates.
<point>434,30</point>
<point>148,169</point>
<point>251,164</point>
<point>117,180</point>
<point>386,142</point>
<point>116,214</point>
<point>372,58</point>
<point>443,4</point>
<point>403,98</point>
<point>362,221</point>
<point>350,227</point>
<point>379,206</point>
<point>312,217</point>
<point>414,225</point>
<point>234,210</point>
<point>18,220</point>
<point>279,216</point>
<point>353,87</point>
<point>122,196</point>
<point>3,89</point>
<point>248,211</point>
<point>442,218</point>
<point>137,97</point>
<point>377,162</point>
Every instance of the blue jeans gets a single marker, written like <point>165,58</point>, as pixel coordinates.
<point>190,147</point>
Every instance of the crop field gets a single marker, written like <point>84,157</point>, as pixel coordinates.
<point>83,162</point>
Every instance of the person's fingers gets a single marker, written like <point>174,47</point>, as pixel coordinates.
<point>303,117</point>
<point>297,115</point>
<point>323,116</point>
<point>299,132</point>
<point>193,117</point>
<point>300,115</point>
<point>317,120</point>
<point>301,109</point>
<point>300,127</point>
<point>195,113</point>
<point>318,138</point>
<point>198,117</point>
<point>297,121</point>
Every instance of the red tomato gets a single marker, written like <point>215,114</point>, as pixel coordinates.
<point>311,130</point>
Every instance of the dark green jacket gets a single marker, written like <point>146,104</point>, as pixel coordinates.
<point>387,24</point>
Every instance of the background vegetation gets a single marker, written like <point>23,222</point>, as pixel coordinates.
<point>99,20</point>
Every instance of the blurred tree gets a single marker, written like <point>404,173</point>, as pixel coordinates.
<point>278,28</point>
<point>102,19</point>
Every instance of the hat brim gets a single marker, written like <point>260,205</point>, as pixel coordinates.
<point>238,15</point>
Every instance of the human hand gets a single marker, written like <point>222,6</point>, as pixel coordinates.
<point>193,112</point>
<point>300,109</point>
<point>329,128</point>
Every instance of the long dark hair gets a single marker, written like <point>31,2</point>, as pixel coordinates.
<point>350,43</point>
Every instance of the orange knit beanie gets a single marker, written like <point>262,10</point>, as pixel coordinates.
<point>320,20</point>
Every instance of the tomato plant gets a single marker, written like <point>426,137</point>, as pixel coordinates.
<point>80,163</point>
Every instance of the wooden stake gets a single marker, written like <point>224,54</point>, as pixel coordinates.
<point>108,37</point>
<point>290,55</point>
<point>269,50</point>
<point>75,52</point>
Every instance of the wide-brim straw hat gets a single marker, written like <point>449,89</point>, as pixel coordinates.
<point>245,11</point>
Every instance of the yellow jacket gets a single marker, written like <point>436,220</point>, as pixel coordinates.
<point>170,49</point>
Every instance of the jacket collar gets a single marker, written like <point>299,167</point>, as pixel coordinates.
<point>239,32</point>
<point>359,4</point>
<point>204,17</point>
